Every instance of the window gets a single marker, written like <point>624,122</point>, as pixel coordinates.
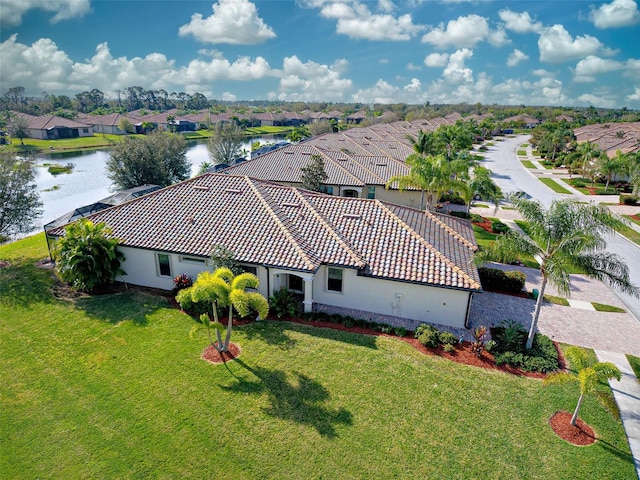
<point>85,130</point>
<point>350,193</point>
<point>164,264</point>
<point>334,280</point>
<point>371,192</point>
<point>200,261</point>
<point>327,190</point>
<point>295,283</point>
<point>249,269</point>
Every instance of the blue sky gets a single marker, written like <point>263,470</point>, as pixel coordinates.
<point>562,52</point>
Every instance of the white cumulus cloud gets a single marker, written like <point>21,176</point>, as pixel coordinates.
<point>356,20</point>
<point>556,45</point>
<point>590,67</point>
<point>11,11</point>
<point>618,13</point>
<point>463,32</point>
<point>519,22</point>
<point>516,57</point>
<point>312,81</point>
<point>233,21</point>
<point>456,71</point>
<point>436,59</point>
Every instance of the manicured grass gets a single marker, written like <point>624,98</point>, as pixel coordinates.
<point>267,130</point>
<point>630,233</point>
<point>481,205</point>
<point>524,145</point>
<point>557,300</point>
<point>553,185</point>
<point>601,307</point>
<point>522,153</point>
<point>635,365</point>
<point>528,164</point>
<point>113,387</point>
<point>80,143</point>
<point>635,219</point>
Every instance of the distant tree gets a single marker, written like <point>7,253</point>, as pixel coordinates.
<point>19,127</point>
<point>587,373</point>
<point>298,134</point>
<point>225,144</point>
<point>224,289</point>
<point>483,186</point>
<point>318,128</point>
<point>313,174</point>
<point>19,200</point>
<point>221,257</point>
<point>171,123</point>
<point>126,126</point>
<point>87,256</point>
<point>159,158</point>
<point>197,102</point>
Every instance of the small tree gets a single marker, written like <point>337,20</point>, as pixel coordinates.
<point>587,374</point>
<point>225,144</point>
<point>159,158</point>
<point>126,126</point>
<point>224,289</point>
<point>87,256</point>
<point>298,134</point>
<point>313,174</point>
<point>19,127</point>
<point>19,200</point>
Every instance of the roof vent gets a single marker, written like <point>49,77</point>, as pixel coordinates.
<point>289,152</point>
<point>204,188</point>
<point>233,190</point>
<point>290,204</point>
<point>351,215</point>
<point>381,164</point>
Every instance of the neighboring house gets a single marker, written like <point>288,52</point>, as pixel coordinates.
<point>108,124</point>
<point>368,258</point>
<point>611,137</point>
<point>161,121</point>
<point>50,127</point>
<point>356,118</point>
<point>522,121</point>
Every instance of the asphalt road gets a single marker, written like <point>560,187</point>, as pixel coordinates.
<point>512,176</point>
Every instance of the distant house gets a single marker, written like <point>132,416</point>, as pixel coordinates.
<point>366,258</point>
<point>50,127</point>
<point>356,118</point>
<point>522,121</point>
<point>611,137</point>
<point>162,121</point>
<point>108,124</point>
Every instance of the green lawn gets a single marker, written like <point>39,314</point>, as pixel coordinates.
<point>528,164</point>
<point>630,233</point>
<point>603,307</point>
<point>522,153</point>
<point>81,143</point>
<point>265,130</point>
<point>113,387</point>
<point>553,185</point>
<point>635,365</point>
<point>634,220</point>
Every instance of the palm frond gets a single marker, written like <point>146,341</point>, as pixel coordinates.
<point>607,267</point>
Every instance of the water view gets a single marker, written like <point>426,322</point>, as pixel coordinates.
<point>88,181</point>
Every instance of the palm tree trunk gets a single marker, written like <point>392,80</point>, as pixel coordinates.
<point>227,338</point>
<point>575,414</point>
<point>536,314</point>
<point>219,346</point>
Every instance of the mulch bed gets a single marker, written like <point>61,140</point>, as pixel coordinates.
<point>485,225</point>
<point>581,434</point>
<point>212,355</point>
<point>635,217</point>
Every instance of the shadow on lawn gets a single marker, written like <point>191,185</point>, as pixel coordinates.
<point>24,284</point>
<point>121,307</point>
<point>294,397</point>
<point>360,337</point>
<point>270,333</point>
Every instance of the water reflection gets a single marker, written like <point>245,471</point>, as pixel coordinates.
<point>88,182</point>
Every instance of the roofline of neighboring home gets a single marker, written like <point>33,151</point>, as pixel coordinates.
<point>413,282</point>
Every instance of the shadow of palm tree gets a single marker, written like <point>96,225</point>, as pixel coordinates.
<point>120,307</point>
<point>352,338</point>
<point>270,333</point>
<point>294,397</point>
<point>24,284</point>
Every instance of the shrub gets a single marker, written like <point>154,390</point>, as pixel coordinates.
<point>348,321</point>
<point>447,338</point>
<point>182,281</point>
<point>496,279</point>
<point>429,338</point>
<point>384,328</point>
<point>447,347</point>
<point>479,334</point>
<point>579,183</point>
<point>335,318</point>
<point>499,227</point>
<point>466,215</point>
<point>283,302</point>
<point>400,331</point>
<point>509,336</point>
<point>489,345</point>
<point>452,198</point>
<point>629,200</point>
<point>422,328</point>
<point>476,218</point>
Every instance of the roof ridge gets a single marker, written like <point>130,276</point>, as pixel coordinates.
<point>260,194</point>
<point>321,152</point>
<point>330,228</point>
<point>451,231</point>
<point>361,164</point>
<point>422,240</point>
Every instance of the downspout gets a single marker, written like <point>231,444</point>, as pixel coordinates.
<point>466,318</point>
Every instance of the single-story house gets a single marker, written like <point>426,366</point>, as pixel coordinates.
<point>108,124</point>
<point>368,258</point>
<point>50,127</point>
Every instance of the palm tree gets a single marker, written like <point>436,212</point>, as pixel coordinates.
<point>482,185</point>
<point>432,175</point>
<point>610,166</point>
<point>564,237</point>
<point>224,289</point>
<point>588,373</point>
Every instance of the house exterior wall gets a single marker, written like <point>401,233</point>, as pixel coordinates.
<point>408,198</point>
<point>397,299</point>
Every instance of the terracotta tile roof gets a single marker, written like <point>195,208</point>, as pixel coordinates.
<point>611,137</point>
<point>47,122</point>
<point>111,119</point>
<point>270,224</point>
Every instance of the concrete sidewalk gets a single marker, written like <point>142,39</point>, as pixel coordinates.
<point>627,395</point>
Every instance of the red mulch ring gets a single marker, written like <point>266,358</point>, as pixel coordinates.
<point>212,355</point>
<point>581,434</point>
<point>635,217</point>
<point>485,225</point>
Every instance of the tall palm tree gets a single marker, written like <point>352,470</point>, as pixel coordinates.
<point>588,373</point>
<point>482,185</point>
<point>432,175</point>
<point>611,166</point>
<point>224,289</point>
<point>565,236</point>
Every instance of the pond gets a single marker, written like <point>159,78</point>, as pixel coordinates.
<point>88,182</point>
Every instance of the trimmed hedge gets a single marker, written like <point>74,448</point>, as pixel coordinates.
<point>505,281</point>
<point>499,227</point>
<point>510,349</point>
<point>464,215</point>
<point>629,200</point>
